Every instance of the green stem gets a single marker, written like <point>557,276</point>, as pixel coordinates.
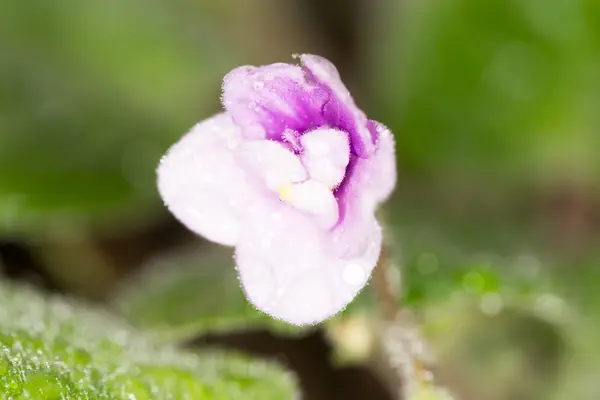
<point>402,358</point>
<point>386,295</point>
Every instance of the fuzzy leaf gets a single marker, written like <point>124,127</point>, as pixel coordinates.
<point>191,293</point>
<point>52,349</point>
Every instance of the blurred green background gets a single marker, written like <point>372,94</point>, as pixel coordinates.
<point>494,225</point>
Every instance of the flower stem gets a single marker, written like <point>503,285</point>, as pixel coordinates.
<point>403,355</point>
<point>386,295</point>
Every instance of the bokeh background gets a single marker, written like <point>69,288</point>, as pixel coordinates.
<point>494,225</point>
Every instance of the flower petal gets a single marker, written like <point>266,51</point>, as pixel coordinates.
<point>377,174</point>
<point>357,225</point>
<point>269,99</point>
<point>201,183</point>
<point>289,268</point>
<point>271,162</point>
<point>315,198</point>
<point>326,155</point>
<point>340,111</point>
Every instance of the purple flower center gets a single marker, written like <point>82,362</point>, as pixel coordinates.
<point>287,101</point>
<point>282,103</point>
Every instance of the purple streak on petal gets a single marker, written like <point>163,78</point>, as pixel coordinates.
<point>342,192</point>
<point>275,122</point>
<point>291,139</point>
<point>275,96</point>
<point>338,115</point>
<point>373,178</point>
<point>373,125</point>
<point>340,111</point>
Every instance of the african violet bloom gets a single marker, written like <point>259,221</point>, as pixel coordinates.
<point>290,174</point>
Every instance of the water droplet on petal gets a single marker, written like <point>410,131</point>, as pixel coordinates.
<point>258,85</point>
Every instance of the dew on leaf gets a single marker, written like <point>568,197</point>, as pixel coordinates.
<point>53,349</point>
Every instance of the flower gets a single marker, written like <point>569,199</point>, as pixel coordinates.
<point>290,174</point>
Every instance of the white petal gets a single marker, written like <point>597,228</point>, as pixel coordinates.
<point>201,183</point>
<point>271,162</point>
<point>326,155</point>
<point>377,174</point>
<point>298,278</point>
<point>313,197</point>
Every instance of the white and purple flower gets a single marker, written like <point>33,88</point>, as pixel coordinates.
<point>290,174</point>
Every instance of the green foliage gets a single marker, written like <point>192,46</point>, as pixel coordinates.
<point>482,95</point>
<point>50,349</point>
<point>492,88</point>
<point>190,293</point>
<point>503,321</point>
<point>93,93</point>
<point>502,326</point>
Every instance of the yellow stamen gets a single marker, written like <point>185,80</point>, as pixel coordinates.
<point>285,192</point>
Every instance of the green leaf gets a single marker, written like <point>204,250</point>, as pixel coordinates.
<point>93,94</point>
<point>190,293</point>
<point>52,349</point>
<point>502,88</point>
<point>505,317</point>
<point>502,326</point>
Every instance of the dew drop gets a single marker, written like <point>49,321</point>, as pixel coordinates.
<point>259,85</point>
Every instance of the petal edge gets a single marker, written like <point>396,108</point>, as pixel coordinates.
<point>201,183</point>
